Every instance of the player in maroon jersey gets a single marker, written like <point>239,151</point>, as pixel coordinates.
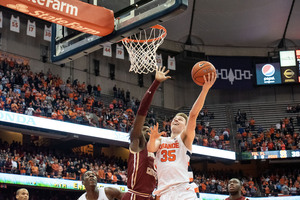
<point>141,172</point>
<point>234,189</point>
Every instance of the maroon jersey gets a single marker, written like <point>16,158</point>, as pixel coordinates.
<point>241,198</point>
<point>141,175</point>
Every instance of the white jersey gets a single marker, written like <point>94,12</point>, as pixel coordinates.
<point>172,161</point>
<point>102,195</point>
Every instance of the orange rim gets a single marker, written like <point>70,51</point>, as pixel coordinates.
<point>127,40</point>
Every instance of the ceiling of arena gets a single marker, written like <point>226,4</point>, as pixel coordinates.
<point>235,27</point>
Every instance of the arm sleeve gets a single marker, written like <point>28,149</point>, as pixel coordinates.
<point>146,101</point>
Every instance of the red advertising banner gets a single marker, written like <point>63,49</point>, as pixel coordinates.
<point>73,14</point>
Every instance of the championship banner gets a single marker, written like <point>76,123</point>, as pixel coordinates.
<point>31,28</point>
<point>73,14</point>
<point>119,51</point>
<point>1,19</point>
<point>171,63</point>
<point>51,182</point>
<point>233,72</point>
<point>107,50</point>
<point>159,60</point>
<point>47,33</point>
<point>15,24</point>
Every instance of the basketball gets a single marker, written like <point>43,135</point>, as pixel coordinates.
<point>201,69</point>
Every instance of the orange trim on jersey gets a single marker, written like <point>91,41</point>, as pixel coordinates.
<point>191,179</point>
<point>196,190</point>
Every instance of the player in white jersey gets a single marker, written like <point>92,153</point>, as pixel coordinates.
<point>173,153</point>
<point>93,193</point>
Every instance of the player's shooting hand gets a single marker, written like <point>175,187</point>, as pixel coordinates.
<point>209,82</point>
<point>160,74</point>
<point>154,134</point>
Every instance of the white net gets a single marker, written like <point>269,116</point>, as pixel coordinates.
<point>142,48</point>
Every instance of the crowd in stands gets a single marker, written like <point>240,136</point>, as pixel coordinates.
<point>276,182</point>
<point>285,181</point>
<point>205,114</point>
<point>47,95</point>
<point>209,137</point>
<point>241,118</point>
<point>34,160</point>
<point>293,108</point>
<point>216,182</point>
<point>282,136</point>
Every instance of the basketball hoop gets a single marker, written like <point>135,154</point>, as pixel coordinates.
<point>142,47</point>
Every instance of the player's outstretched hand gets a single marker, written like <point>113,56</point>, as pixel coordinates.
<point>154,134</point>
<point>209,82</point>
<point>160,74</point>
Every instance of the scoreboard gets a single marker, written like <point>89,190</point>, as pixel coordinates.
<point>270,154</point>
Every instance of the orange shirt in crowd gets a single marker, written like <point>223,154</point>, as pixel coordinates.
<point>83,170</point>
<point>55,167</point>
<point>101,174</point>
<point>35,170</point>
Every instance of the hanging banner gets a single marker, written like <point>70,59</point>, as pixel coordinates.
<point>107,50</point>
<point>120,51</point>
<point>159,60</point>
<point>171,63</point>
<point>47,33</point>
<point>31,28</point>
<point>233,72</point>
<point>73,14</point>
<point>1,19</point>
<point>15,24</point>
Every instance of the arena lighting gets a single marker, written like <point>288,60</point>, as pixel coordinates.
<point>208,151</point>
<point>77,129</point>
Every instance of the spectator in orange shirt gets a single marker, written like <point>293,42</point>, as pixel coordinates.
<point>108,175</point>
<point>101,174</point>
<point>55,167</point>
<point>252,124</point>
<point>99,90</point>
<point>35,170</point>
<point>14,106</point>
<point>83,169</point>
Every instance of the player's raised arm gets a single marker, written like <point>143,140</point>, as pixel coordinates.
<point>136,132</point>
<point>188,134</point>
<point>154,140</point>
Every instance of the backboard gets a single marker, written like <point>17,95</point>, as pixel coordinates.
<point>131,16</point>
